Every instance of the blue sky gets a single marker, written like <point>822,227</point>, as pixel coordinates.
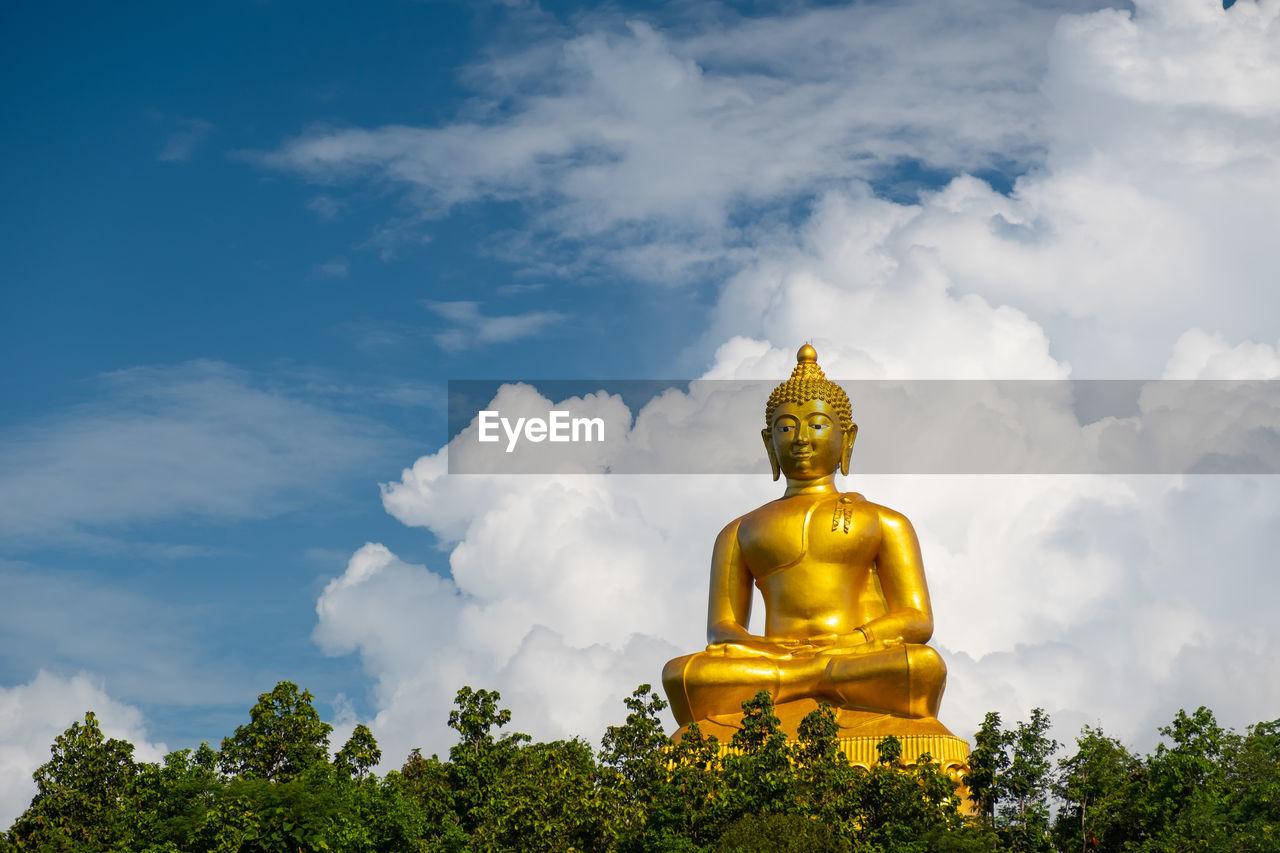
<point>142,235</point>
<point>173,307</point>
<point>248,247</point>
<point>134,192</point>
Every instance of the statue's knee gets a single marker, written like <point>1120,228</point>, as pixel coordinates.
<point>926,665</point>
<point>673,674</point>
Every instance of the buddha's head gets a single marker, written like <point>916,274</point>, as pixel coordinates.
<point>809,428</point>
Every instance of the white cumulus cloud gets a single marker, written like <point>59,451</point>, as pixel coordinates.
<point>33,714</point>
<point>472,328</point>
<point>1138,244</point>
<point>648,137</point>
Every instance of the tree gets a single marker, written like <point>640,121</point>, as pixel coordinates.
<point>988,762</point>
<point>359,753</point>
<point>508,794</point>
<point>479,760</point>
<point>284,737</point>
<point>688,811</point>
<point>1010,779</point>
<point>824,777</point>
<point>1203,789</point>
<point>1097,785</point>
<point>398,819</point>
<point>81,793</point>
<point>635,749</point>
<point>1185,802</point>
<point>425,782</point>
<point>205,757</point>
<point>306,813</point>
<point>760,777</point>
<point>1253,788</point>
<point>889,751</point>
<point>635,764</point>
<point>1027,781</point>
<point>781,833</point>
<point>547,799</point>
<point>169,803</point>
<point>900,809</point>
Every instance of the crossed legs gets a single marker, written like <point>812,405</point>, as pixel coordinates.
<point>904,680</point>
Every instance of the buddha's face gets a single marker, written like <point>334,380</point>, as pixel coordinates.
<point>807,439</point>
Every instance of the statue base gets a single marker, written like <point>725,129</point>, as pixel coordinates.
<point>860,732</point>
<point>852,723</point>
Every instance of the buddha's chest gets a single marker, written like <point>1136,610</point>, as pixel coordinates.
<point>825,529</point>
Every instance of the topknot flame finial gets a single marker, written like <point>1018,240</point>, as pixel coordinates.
<point>808,382</point>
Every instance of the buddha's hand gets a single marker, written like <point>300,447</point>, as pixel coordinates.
<point>855,641</point>
<point>807,646</point>
<point>750,647</point>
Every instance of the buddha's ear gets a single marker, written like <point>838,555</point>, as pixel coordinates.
<point>766,434</point>
<point>846,448</point>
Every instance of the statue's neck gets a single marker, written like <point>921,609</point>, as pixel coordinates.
<point>822,486</point>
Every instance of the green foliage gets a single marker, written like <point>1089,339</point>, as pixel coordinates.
<point>550,801</point>
<point>687,811</point>
<point>781,833</point>
<point>1010,780</point>
<point>272,788</point>
<point>1184,801</point>
<point>170,801</point>
<point>889,751</point>
<point>424,782</point>
<point>255,815</point>
<point>760,730</point>
<point>817,739</point>
<point>898,811</point>
<point>1252,788</point>
<point>359,754</point>
<point>634,750</point>
<point>394,818</point>
<point>634,766</point>
<point>205,757</point>
<point>81,793</point>
<point>1097,788</point>
<point>285,736</point>
<point>479,761</point>
<point>1026,784</point>
<point>760,778</point>
<point>824,779</point>
<point>988,761</point>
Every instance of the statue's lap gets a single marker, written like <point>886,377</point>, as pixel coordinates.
<point>875,691</point>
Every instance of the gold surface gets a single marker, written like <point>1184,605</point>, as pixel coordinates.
<point>847,611</point>
<point>950,753</point>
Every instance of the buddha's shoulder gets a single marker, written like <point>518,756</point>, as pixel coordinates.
<point>762,515</point>
<point>887,516</point>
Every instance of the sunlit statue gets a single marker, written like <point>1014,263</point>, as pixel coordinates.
<point>847,610</point>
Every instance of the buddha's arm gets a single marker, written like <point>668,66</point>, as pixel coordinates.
<point>729,604</point>
<point>909,615</point>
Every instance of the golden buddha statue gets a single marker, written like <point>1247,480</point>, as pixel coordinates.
<point>847,610</point>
